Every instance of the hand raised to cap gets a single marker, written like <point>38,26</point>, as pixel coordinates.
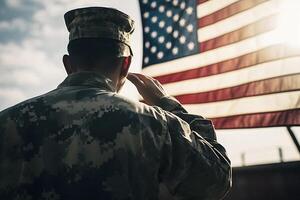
<point>149,88</point>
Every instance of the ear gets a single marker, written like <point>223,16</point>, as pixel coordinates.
<point>67,64</point>
<point>125,66</point>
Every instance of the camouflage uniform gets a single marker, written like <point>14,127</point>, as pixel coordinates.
<point>84,141</point>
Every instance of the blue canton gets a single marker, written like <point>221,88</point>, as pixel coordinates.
<point>169,30</point>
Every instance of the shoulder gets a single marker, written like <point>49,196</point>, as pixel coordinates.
<point>139,108</point>
<point>112,104</point>
<point>25,109</point>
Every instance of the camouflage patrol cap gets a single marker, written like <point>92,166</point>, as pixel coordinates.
<point>101,22</point>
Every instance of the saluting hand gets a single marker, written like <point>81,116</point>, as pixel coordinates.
<point>150,88</point>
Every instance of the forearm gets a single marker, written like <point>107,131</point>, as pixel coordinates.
<point>210,167</point>
<point>197,123</point>
<point>199,168</point>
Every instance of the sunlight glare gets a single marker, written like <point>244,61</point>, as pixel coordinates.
<point>288,25</point>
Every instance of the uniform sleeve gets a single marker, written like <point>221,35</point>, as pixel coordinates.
<point>193,164</point>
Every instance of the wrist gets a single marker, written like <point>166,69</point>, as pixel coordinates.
<point>170,104</point>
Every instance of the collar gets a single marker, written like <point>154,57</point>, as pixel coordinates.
<point>88,79</point>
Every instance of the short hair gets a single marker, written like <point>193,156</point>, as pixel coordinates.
<point>88,52</point>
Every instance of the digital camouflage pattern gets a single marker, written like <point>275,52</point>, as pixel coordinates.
<point>84,141</point>
<point>100,22</point>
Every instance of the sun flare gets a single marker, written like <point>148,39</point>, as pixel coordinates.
<point>288,24</point>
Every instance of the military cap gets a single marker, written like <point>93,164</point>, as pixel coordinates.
<point>101,22</point>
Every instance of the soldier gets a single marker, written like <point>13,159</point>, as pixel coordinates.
<point>84,141</point>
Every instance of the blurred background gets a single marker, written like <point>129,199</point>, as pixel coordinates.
<point>33,39</point>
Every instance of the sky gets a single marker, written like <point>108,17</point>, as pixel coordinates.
<point>33,39</point>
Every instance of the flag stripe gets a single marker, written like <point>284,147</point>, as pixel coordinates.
<point>257,120</point>
<point>214,56</point>
<point>209,7</point>
<point>247,105</point>
<point>228,11</point>
<point>258,72</point>
<point>262,87</point>
<point>261,26</point>
<point>237,21</point>
<point>201,1</point>
<point>271,53</point>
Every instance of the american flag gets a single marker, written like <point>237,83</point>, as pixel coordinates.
<point>221,59</point>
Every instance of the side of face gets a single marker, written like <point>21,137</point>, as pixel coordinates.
<point>67,64</point>
<point>123,72</point>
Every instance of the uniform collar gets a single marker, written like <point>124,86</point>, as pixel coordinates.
<point>88,79</point>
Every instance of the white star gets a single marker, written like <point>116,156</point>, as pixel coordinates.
<point>168,45</point>
<point>175,51</point>
<point>145,1</point>
<point>146,60</point>
<point>169,29</point>
<point>190,28</point>
<point>176,17</point>
<point>160,55</point>
<point>169,13</point>
<point>153,4</point>
<point>154,34</point>
<point>182,39</point>
<point>182,5</point>
<point>161,24</point>
<point>146,15</point>
<point>146,29</point>
<point>161,9</point>
<point>153,49</point>
<point>182,22</point>
<point>189,10</point>
<point>161,39</point>
<point>175,2</point>
<point>175,34</point>
<point>191,45</point>
<point>154,19</point>
<point>147,44</point>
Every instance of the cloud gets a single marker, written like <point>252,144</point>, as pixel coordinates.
<point>9,97</point>
<point>32,65</point>
<point>23,54</point>
<point>26,70</point>
<point>20,78</point>
<point>13,3</point>
<point>14,24</point>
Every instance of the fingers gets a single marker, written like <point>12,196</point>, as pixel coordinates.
<point>141,80</point>
<point>144,78</point>
<point>136,81</point>
<point>150,89</point>
<point>139,84</point>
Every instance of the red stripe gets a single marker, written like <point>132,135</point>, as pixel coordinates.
<point>271,53</point>
<point>280,118</point>
<point>228,11</point>
<point>262,87</point>
<point>201,1</point>
<point>261,26</point>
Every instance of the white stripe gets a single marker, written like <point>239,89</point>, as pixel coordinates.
<point>247,105</point>
<point>212,6</point>
<point>237,21</point>
<point>258,72</point>
<point>213,56</point>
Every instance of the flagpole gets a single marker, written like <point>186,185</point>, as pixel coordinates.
<point>292,134</point>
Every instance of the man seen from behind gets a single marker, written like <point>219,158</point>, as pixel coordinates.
<point>83,140</point>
